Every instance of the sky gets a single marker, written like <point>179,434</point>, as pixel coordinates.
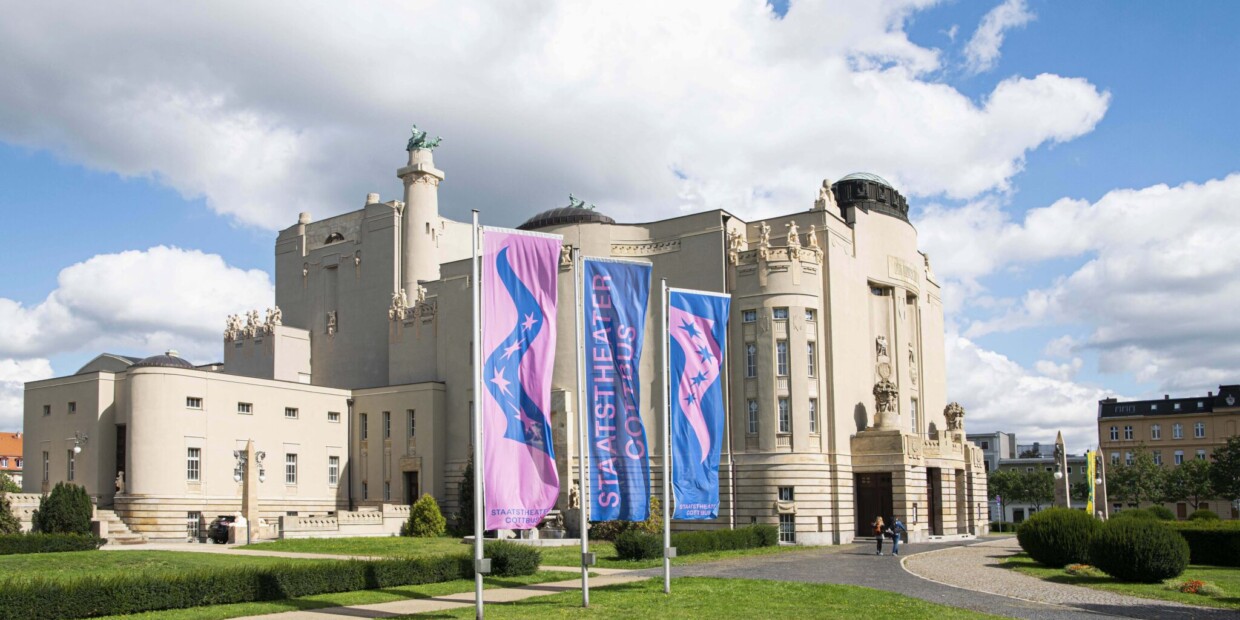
<point>1071,167</point>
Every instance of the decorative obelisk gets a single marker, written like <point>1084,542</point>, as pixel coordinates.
<point>1062,482</point>
<point>249,491</point>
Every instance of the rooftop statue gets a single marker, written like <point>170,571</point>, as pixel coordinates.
<point>419,140</point>
<point>577,203</point>
<point>826,198</point>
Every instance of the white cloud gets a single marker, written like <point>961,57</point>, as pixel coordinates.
<point>982,51</point>
<point>134,301</point>
<point>14,373</point>
<point>267,110</point>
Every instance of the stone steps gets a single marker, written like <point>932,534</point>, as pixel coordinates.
<point>118,532</point>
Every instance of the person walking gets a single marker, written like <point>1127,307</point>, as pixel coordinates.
<point>878,534</point>
<point>897,530</point>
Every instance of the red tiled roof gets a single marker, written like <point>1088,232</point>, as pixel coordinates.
<point>11,447</point>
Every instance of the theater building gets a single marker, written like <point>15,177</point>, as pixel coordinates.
<point>838,408</point>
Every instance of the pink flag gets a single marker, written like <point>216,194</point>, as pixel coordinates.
<point>519,284</point>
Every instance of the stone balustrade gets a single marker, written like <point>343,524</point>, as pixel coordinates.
<point>385,521</point>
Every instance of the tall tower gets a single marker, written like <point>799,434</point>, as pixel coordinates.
<point>419,239</point>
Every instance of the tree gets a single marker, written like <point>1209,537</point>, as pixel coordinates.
<point>1142,481</point>
<point>1003,485</point>
<point>1225,471</point>
<point>8,522</point>
<point>66,511</point>
<point>7,485</point>
<point>465,501</point>
<point>1037,488</point>
<point>1190,482</point>
<point>1080,491</point>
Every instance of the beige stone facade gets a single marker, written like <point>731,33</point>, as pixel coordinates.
<point>836,384</point>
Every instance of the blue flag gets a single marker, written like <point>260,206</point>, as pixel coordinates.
<point>616,294</point>
<point>697,327</point>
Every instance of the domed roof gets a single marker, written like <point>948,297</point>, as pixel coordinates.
<point>866,176</point>
<point>565,215</point>
<point>167,360</point>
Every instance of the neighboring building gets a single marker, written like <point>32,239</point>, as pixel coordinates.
<point>838,406</point>
<point>1173,430</point>
<point>11,455</point>
<point>995,447</point>
<point>1042,459</point>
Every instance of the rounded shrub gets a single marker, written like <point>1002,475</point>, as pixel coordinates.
<point>1203,515</point>
<point>511,559</point>
<point>1134,513</point>
<point>1162,513</point>
<point>1139,550</point>
<point>425,520</point>
<point>635,545</point>
<point>67,510</point>
<point>1058,536</point>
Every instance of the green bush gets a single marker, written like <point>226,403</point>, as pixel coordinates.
<point>8,521</point>
<point>1002,526</point>
<point>1057,537</point>
<point>425,520</point>
<point>14,544</point>
<point>66,511</point>
<point>1216,543</point>
<point>1203,515</point>
<point>39,599</point>
<point>511,559</point>
<point>635,545</point>
<point>1134,513</point>
<point>7,485</point>
<point>1139,550</point>
<point>1162,513</point>
<point>610,530</point>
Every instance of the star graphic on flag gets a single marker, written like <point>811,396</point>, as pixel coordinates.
<point>691,328</point>
<point>503,383</point>
<point>700,378</point>
<point>704,351</point>
<point>511,349</point>
<point>689,399</point>
<point>529,322</point>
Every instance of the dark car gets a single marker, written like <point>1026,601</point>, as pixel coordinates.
<point>217,532</point>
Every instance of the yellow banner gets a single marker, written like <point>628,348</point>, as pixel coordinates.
<point>1091,473</point>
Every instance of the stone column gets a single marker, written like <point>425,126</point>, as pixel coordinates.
<point>419,237</point>
<point>1062,497</point>
<point>249,488</point>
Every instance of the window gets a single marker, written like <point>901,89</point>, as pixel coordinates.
<point>1154,407</point>
<point>1156,432</point>
<point>365,490</point>
<point>787,528</point>
<point>879,291</point>
<point>193,525</point>
<point>290,469</point>
<point>45,472</point>
<point>985,445</point>
<point>245,408</point>
<point>1199,430</point>
<point>4,461</point>
<point>1128,458</point>
<point>193,464</point>
<point>387,424</point>
<point>1114,433</point>
<point>1069,470</point>
<point>781,358</point>
<point>1158,457</point>
<point>811,315</point>
<point>1179,457</point>
<point>70,465</point>
<point>1201,455</point>
<point>912,410</point>
<point>72,407</point>
<point>19,463</point>
<point>1200,405</point>
<point>751,360</point>
<point>365,426</point>
<point>752,408</point>
<point>1115,458</point>
<point>193,402</point>
<point>1128,432</point>
<point>387,490</point>
<point>290,412</point>
<point>1177,406</point>
<point>749,316</point>
<point>333,416</point>
<point>785,494</point>
<point>813,415</point>
<point>333,470</point>
<point>1028,469</point>
<point>1177,431</point>
<point>411,417</point>
<point>810,350</point>
<point>47,410</point>
<point>781,314</point>
<point>785,416</point>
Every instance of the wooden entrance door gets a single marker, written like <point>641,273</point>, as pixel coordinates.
<point>873,497</point>
<point>411,487</point>
<point>934,488</point>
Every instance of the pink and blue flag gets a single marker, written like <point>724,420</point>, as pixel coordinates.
<point>697,327</point>
<point>519,285</point>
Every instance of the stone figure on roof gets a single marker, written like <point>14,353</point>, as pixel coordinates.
<point>880,346</point>
<point>813,237</point>
<point>764,235</point>
<point>794,236</point>
<point>419,140</point>
<point>251,324</point>
<point>826,198</point>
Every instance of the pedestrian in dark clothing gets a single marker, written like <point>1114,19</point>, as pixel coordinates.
<point>878,534</point>
<point>897,530</point>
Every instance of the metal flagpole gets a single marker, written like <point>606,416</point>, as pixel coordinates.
<point>479,565</point>
<point>667,450</point>
<point>581,432</point>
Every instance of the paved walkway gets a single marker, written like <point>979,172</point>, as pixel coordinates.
<point>977,568</point>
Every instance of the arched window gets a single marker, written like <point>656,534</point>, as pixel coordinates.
<point>334,237</point>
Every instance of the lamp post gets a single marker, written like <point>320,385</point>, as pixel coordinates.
<point>78,439</point>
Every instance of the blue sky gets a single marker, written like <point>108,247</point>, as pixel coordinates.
<point>206,132</point>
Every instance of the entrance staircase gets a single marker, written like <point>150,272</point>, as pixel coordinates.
<point>118,532</point>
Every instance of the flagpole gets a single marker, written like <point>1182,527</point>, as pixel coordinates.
<point>477,416</point>
<point>581,432</point>
<point>667,450</point>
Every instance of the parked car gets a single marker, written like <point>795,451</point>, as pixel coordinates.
<point>217,532</point>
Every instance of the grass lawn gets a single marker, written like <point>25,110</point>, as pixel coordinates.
<point>73,564</point>
<point>701,597</point>
<point>1224,577</point>
<point>360,597</point>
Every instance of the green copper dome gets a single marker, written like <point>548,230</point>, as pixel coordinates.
<point>866,176</point>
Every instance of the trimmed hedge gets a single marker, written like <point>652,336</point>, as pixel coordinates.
<point>511,559</point>
<point>1003,526</point>
<point>13,544</point>
<point>1135,513</point>
<point>1203,515</point>
<point>1162,513</point>
<point>1057,537</point>
<point>635,545</point>
<point>1141,550</point>
<point>1216,543</point>
<point>37,599</point>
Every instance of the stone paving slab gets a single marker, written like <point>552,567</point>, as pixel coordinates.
<point>978,568</point>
